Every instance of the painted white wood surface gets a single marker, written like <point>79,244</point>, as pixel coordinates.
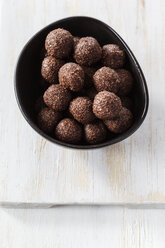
<point>82,227</point>
<point>34,170</point>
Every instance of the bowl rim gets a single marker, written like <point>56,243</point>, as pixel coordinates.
<point>115,140</point>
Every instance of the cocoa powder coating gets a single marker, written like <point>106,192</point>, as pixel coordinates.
<point>106,105</point>
<point>126,82</point>
<point>87,51</point>
<point>69,131</point>
<point>57,98</point>
<point>95,133</point>
<point>59,43</point>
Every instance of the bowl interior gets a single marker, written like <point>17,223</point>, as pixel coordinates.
<point>29,65</point>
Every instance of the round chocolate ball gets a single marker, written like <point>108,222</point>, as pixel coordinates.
<point>95,133</point>
<point>106,79</point>
<point>87,51</point>
<point>81,109</point>
<point>75,41</point>
<point>71,76</point>
<point>89,72</point>
<point>113,56</point>
<point>50,68</point>
<point>122,123</point>
<point>57,98</point>
<point>69,131</point>
<point>126,102</point>
<point>59,43</point>
<point>47,119</point>
<point>39,104</point>
<point>126,82</point>
<point>91,93</point>
<point>106,105</point>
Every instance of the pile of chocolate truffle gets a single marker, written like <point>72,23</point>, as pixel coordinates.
<point>86,90</point>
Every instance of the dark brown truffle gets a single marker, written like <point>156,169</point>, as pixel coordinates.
<point>89,72</point>
<point>113,56</point>
<point>126,102</point>
<point>69,131</point>
<point>39,104</point>
<point>50,68</point>
<point>57,98</point>
<point>106,105</point>
<point>75,41</point>
<point>106,79</point>
<point>95,133</point>
<point>126,82</point>
<point>47,119</point>
<point>81,109</point>
<point>87,51</point>
<point>59,43</point>
<point>71,76</point>
<point>91,92</point>
<point>122,123</point>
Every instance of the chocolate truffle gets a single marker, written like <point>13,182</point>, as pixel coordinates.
<point>87,51</point>
<point>106,79</point>
<point>113,56</point>
<point>106,105</point>
<point>95,133</point>
<point>126,82</point>
<point>69,131</point>
<point>71,76</point>
<point>75,41</point>
<point>122,123</point>
<point>57,98</point>
<point>91,92</point>
<point>39,104</point>
<point>81,109</point>
<point>47,119</point>
<point>59,43</point>
<point>89,72</point>
<point>50,68</point>
<point>126,102</point>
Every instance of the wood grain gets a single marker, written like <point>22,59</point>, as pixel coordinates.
<point>32,169</point>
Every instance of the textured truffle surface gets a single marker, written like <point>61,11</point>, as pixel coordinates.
<point>89,72</point>
<point>71,76</point>
<point>81,109</point>
<point>106,79</point>
<point>50,68</point>
<point>126,102</point>
<point>87,51</point>
<point>106,105</point>
<point>57,98</point>
<point>47,119</point>
<point>39,104</point>
<point>126,82</point>
<point>95,133</point>
<point>122,123</point>
<point>69,131</point>
<point>113,56</point>
<point>59,43</point>
<point>75,41</point>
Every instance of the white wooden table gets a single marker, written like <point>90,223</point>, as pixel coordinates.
<point>33,171</point>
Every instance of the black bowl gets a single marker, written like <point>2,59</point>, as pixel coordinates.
<point>29,64</point>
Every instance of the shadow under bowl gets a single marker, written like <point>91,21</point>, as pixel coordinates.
<point>29,65</point>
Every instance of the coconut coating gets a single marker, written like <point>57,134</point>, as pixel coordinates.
<point>126,82</point>
<point>106,79</point>
<point>87,51</point>
<point>75,41</point>
<point>71,76</point>
<point>50,68</point>
<point>106,105</point>
<point>57,98</point>
<point>113,56</point>
<point>81,109</point>
<point>95,133</point>
<point>126,102</point>
<point>69,131</point>
<point>122,123</point>
<point>89,72</point>
<point>39,104</point>
<point>91,93</point>
<point>47,119</point>
<point>59,43</point>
